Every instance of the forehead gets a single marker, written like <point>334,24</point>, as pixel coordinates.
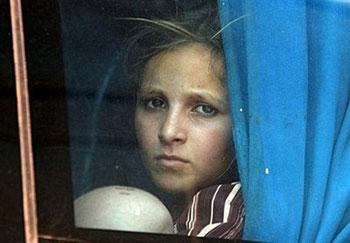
<point>194,63</point>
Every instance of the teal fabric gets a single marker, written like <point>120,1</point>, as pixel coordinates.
<point>288,65</point>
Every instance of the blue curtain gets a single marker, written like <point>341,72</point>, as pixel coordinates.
<point>288,66</point>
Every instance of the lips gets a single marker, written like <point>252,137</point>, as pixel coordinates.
<point>171,161</point>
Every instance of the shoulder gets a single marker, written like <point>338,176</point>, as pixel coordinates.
<point>216,211</point>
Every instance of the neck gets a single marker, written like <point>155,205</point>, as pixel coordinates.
<point>179,203</point>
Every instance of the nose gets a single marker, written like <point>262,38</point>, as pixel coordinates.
<point>173,128</point>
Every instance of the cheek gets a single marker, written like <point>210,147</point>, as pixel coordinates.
<point>145,131</point>
<point>215,148</point>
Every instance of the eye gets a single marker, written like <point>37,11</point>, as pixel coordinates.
<point>154,103</point>
<point>206,110</point>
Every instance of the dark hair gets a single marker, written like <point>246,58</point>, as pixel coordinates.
<point>152,36</point>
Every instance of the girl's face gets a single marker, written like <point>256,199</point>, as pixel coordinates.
<point>183,120</point>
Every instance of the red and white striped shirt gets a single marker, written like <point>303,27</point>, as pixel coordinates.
<point>215,212</point>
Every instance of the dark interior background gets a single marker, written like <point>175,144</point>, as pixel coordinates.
<point>11,223</point>
<point>99,94</point>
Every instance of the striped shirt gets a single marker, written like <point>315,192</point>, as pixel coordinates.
<point>215,212</point>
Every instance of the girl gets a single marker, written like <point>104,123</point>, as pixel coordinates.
<point>183,122</point>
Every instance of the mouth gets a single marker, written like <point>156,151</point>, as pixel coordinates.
<point>171,162</point>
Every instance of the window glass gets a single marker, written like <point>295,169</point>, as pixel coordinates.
<point>148,114</point>
<point>130,118</point>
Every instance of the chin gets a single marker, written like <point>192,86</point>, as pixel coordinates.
<point>169,187</point>
<point>180,190</point>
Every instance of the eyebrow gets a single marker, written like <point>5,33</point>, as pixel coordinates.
<point>200,94</point>
<point>192,93</point>
<point>150,90</point>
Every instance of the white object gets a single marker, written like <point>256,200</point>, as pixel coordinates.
<point>122,208</point>
<point>267,171</point>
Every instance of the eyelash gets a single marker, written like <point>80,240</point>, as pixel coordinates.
<point>213,112</point>
<point>147,103</point>
<point>199,108</point>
